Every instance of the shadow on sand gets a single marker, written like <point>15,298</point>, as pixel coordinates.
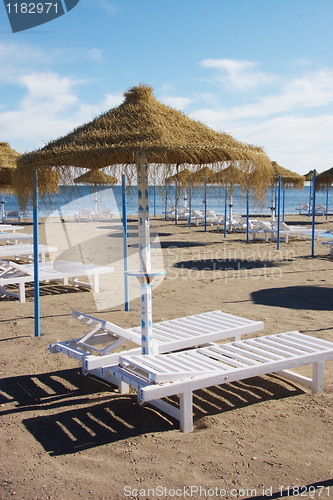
<point>73,413</point>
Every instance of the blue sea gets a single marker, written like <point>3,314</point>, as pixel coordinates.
<point>71,199</point>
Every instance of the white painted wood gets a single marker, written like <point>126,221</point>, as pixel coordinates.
<point>171,335</point>
<point>149,376</point>
<point>20,274</point>
<point>24,250</point>
<point>186,411</point>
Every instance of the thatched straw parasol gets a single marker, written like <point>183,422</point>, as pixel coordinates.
<point>202,175</point>
<point>288,178</point>
<point>95,177</point>
<point>8,158</point>
<point>141,123</point>
<point>309,175</point>
<point>7,167</point>
<point>231,176</point>
<point>184,177</point>
<point>325,179</point>
<point>146,132</point>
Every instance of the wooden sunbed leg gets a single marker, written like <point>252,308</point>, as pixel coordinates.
<point>95,287</point>
<point>186,411</point>
<point>318,377</point>
<point>21,292</point>
<point>123,388</point>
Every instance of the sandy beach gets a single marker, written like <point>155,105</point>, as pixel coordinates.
<point>69,437</point>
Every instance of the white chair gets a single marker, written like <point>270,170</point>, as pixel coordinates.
<point>25,250</point>
<point>20,274</point>
<point>303,208</point>
<point>104,214</point>
<point>160,376</point>
<point>95,349</point>
<point>12,215</point>
<point>85,214</point>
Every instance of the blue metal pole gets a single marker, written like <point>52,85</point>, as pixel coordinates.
<point>190,204</point>
<point>166,201</point>
<point>225,208</point>
<point>125,243</point>
<point>310,197</point>
<point>154,192</point>
<point>36,259</point>
<point>313,213</point>
<point>278,212</point>
<point>247,215</point>
<point>283,203</point>
<point>327,203</point>
<point>176,203</point>
<point>205,205</point>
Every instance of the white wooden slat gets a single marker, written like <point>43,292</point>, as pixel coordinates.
<point>227,360</point>
<point>294,344</point>
<point>276,347</point>
<point>195,359</point>
<point>251,345</point>
<point>236,356</point>
<point>182,360</point>
<point>315,341</point>
<point>204,358</point>
<point>245,354</point>
<point>306,342</point>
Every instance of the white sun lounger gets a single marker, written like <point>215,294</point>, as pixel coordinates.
<point>24,250</point>
<point>172,335</point>
<point>160,376</point>
<point>9,227</point>
<point>18,274</point>
<point>15,238</point>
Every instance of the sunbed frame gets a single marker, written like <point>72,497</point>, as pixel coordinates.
<point>159,376</point>
<point>62,271</point>
<point>172,335</point>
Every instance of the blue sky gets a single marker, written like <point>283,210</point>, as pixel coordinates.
<point>260,70</point>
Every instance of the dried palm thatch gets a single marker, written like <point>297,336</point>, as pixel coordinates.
<point>325,179</point>
<point>231,176</point>
<point>309,175</point>
<point>141,123</point>
<point>23,182</point>
<point>183,177</point>
<point>8,158</point>
<point>204,174</point>
<point>288,178</point>
<point>95,177</point>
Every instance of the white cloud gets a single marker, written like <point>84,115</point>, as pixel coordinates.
<point>49,109</point>
<point>176,102</point>
<point>293,123</point>
<point>238,74</point>
<point>95,54</point>
<point>108,6</point>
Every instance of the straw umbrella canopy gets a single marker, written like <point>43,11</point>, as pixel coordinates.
<point>95,177</point>
<point>8,158</point>
<point>231,175</point>
<point>288,178</point>
<point>202,175</point>
<point>325,179</point>
<point>309,175</point>
<point>147,133</point>
<point>184,177</point>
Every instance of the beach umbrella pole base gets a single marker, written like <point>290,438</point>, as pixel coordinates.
<point>145,275</point>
